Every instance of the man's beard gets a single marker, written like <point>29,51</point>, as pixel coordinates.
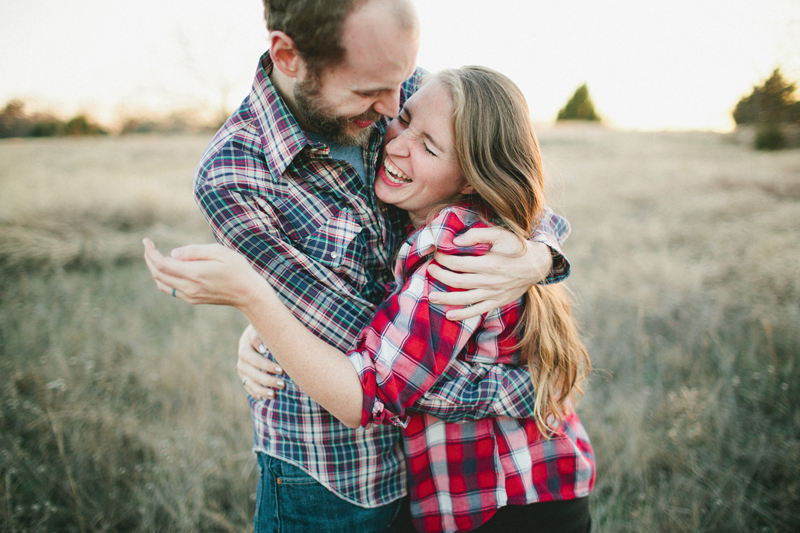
<point>316,115</point>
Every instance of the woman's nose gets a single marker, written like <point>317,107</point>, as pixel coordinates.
<point>399,144</point>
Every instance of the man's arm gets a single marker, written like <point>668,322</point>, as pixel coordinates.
<point>503,274</point>
<point>244,222</point>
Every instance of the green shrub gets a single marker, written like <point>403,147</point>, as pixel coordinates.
<point>80,125</point>
<point>770,137</point>
<point>13,120</point>
<point>49,127</point>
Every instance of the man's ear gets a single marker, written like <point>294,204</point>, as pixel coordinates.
<point>285,55</point>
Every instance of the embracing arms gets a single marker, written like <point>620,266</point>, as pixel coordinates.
<point>213,274</point>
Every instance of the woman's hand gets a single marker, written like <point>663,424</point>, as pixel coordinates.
<point>255,370</point>
<point>492,280</point>
<point>205,274</point>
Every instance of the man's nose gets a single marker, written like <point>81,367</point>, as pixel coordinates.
<point>388,103</point>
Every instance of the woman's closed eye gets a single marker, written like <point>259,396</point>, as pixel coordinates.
<point>402,117</point>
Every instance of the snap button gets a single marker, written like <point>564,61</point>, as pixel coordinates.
<point>334,255</point>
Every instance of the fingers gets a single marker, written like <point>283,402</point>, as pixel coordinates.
<point>459,280</point>
<point>463,263</point>
<point>259,361</point>
<point>166,282</point>
<point>258,384</point>
<point>151,257</point>
<point>251,347</point>
<point>503,241</point>
<point>466,304</point>
<point>198,252</point>
<point>478,235</point>
<point>463,313</point>
<point>260,376</point>
<point>255,340</point>
<point>460,298</point>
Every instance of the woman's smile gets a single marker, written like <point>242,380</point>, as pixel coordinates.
<point>393,176</point>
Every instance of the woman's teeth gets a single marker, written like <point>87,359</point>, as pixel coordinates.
<point>394,174</point>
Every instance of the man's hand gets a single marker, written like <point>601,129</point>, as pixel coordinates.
<point>255,370</point>
<point>492,280</point>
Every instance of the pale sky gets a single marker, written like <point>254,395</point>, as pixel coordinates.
<point>681,64</point>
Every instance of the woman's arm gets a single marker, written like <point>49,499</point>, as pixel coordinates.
<point>223,277</point>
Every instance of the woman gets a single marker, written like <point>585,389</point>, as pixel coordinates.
<point>462,154</point>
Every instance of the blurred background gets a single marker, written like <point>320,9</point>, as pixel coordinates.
<point>677,65</point>
<point>670,135</point>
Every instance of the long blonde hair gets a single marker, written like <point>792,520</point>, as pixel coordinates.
<point>499,155</point>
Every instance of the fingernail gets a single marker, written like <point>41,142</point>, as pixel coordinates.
<point>433,297</point>
<point>262,349</point>
<point>280,384</point>
<point>278,370</point>
<point>270,394</point>
<point>457,240</point>
<point>177,253</point>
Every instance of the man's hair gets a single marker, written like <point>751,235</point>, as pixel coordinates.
<point>315,26</point>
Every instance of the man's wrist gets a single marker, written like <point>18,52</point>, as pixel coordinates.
<point>542,262</point>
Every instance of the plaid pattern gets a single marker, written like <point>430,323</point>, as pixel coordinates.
<point>310,226</point>
<point>459,474</point>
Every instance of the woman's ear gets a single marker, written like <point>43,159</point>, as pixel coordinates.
<point>467,189</point>
<point>285,55</point>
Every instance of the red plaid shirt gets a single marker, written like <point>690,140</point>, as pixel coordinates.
<point>459,473</point>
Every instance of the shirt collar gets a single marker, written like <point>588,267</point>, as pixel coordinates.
<point>281,136</point>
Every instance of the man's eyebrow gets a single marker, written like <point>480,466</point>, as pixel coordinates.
<point>427,136</point>
<point>368,90</point>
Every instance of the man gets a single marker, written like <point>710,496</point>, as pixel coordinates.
<point>287,181</point>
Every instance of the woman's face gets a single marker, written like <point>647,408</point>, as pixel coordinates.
<point>420,167</point>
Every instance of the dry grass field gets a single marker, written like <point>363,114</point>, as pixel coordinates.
<point>120,409</point>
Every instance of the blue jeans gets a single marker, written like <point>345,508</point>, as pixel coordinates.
<point>290,501</point>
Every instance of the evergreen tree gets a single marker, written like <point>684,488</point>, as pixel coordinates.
<point>773,101</point>
<point>579,107</point>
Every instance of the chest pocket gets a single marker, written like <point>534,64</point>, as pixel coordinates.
<point>336,244</point>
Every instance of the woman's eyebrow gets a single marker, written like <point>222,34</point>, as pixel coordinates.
<point>424,134</point>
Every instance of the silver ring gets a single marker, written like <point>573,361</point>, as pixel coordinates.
<point>244,381</point>
<point>173,292</point>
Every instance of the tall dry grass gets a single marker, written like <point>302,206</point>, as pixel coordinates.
<point>120,409</point>
<point>686,255</point>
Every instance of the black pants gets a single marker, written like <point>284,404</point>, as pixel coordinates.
<point>568,516</point>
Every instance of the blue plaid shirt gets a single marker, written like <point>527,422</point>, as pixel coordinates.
<point>312,228</point>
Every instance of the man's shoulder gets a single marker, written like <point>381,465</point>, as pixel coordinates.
<point>412,84</point>
<point>238,144</point>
